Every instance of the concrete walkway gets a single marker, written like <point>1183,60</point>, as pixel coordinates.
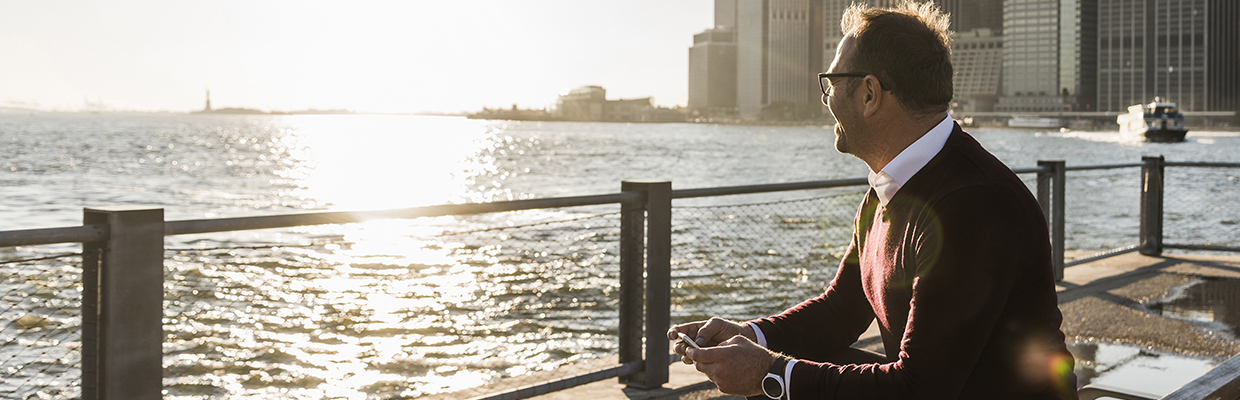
<point>1101,301</point>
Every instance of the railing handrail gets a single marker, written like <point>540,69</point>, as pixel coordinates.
<point>90,233</point>
<point>1102,166</point>
<point>186,227</point>
<point>1029,170</point>
<point>766,188</point>
<point>98,232</point>
<point>38,237</point>
<point>1208,164</point>
<point>805,185</point>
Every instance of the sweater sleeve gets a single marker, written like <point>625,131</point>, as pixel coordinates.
<point>964,272</point>
<point>835,319</point>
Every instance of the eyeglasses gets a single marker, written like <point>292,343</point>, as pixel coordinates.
<point>824,79</point>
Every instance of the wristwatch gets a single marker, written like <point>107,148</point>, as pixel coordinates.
<point>773,384</point>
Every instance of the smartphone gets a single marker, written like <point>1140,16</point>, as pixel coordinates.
<point>685,338</point>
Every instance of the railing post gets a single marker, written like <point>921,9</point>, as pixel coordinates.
<point>122,305</point>
<point>658,206</point>
<point>1152,205</point>
<point>1051,187</point>
<point>658,281</point>
<point>632,289</point>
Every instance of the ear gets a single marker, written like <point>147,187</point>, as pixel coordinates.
<point>874,96</point>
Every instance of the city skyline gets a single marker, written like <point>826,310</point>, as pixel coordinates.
<point>399,57</point>
<point>1009,56</point>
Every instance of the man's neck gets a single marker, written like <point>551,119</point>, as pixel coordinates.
<point>893,137</point>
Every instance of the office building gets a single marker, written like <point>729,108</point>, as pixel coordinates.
<point>967,15</point>
<point>589,103</point>
<point>795,52</point>
<point>725,14</point>
<point>1186,51</point>
<point>977,67</point>
<point>712,73</point>
<point>751,57</point>
<point>582,104</point>
<point>1049,55</point>
<point>779,53</point>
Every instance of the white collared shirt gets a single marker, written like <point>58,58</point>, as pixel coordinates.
<point>906,164</point>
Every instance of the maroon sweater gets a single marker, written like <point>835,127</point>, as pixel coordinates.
<point>957,270</point>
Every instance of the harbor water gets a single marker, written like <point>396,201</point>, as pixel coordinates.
<point>402,309</point>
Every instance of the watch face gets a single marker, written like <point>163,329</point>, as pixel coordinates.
<point>772,387</point>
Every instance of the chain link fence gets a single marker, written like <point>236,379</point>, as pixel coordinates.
<point>397,315</point>
<point>1201,206</point>
<point>757,255</point>
<point>41,331</point>
<point>1102,210</point>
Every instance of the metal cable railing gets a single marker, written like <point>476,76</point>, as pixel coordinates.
<point>246,318</point>
<point>1201,210</point>
<point>40,339</point>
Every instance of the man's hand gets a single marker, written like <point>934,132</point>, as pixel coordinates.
<point>709,333</point>
<point>736,365</point>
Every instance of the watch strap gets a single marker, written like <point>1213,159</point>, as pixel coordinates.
<point>777,367</point>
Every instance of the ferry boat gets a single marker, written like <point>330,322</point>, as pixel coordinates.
<point>1158,121</point>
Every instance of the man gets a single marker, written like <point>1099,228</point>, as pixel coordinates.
<point>950,252</point>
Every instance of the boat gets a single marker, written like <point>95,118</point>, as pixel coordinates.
<point>1021,121</point>
<point>1157,121</point>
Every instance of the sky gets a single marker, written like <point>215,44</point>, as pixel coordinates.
<point>444,56</point>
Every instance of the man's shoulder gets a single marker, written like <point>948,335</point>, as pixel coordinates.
<point>965,166</point>
<point>962,162</point>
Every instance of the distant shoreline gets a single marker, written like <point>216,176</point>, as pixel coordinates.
<point>223,111</point>
<point>241,111</point>
<point>251,111</point>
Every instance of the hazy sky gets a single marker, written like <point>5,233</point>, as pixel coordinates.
<point>379,56</point>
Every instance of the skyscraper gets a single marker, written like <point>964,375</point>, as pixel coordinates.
<point>751,57</point>
<point>795,52</point>
<point>967,15</point>
<point>977,52</point>
<point>778,52</point>
<point>1049,54</point>
<point>712,72</point>
<point>1183,50</point>
<point>725,14</point>
<point>977,69</point>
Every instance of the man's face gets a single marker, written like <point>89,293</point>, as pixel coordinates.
<point>840,101</point>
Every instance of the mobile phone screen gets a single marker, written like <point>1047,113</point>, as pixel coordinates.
<point>685,338</point>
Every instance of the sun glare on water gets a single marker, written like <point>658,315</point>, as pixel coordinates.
<point>376,162</point>
<point>380,307</point>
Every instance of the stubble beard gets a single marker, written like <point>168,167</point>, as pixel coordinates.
<point>841,141</point>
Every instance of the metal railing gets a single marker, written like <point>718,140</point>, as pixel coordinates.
<point>1152,217</point>
<point>123,257</point>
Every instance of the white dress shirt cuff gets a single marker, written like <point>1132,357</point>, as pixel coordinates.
<point>757,332</point>
<point>788,379</point>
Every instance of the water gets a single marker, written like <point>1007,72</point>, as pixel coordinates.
<point>408,308</point>
<point>1208,301</point>
<point>1136,368</point>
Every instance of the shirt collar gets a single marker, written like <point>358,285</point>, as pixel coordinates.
<point>906,164</point>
